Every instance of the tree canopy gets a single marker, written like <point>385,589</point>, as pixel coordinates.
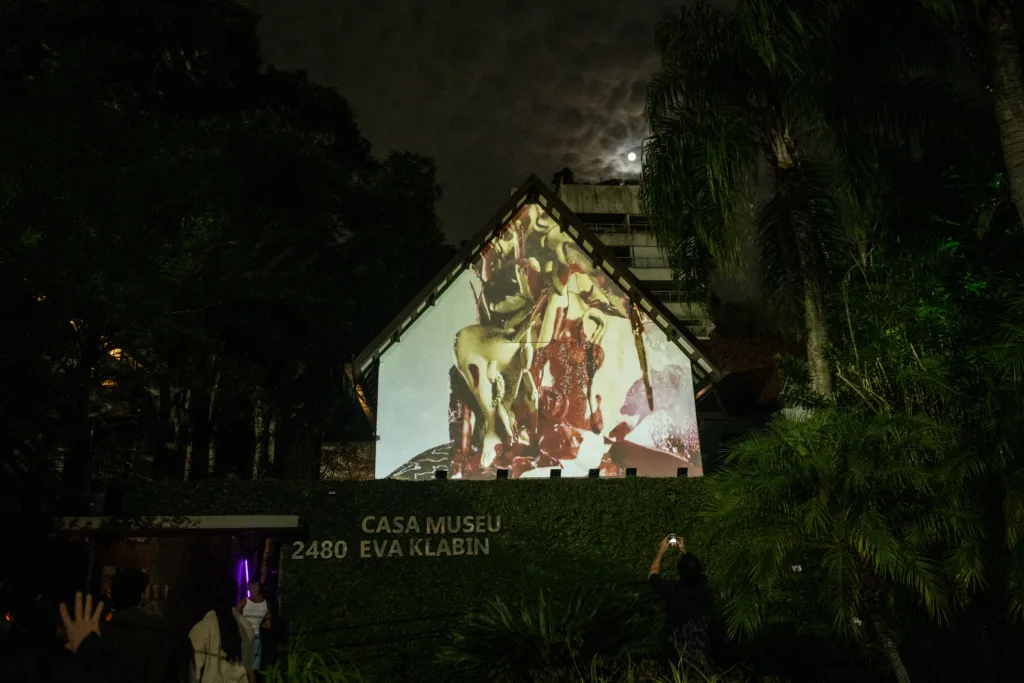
<point>879,181</point>
<point>194,245</point>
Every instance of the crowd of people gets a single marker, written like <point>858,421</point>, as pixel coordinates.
<point>83,640</point>
<point>90,641</point>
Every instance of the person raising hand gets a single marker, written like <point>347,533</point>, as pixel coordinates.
<point>85,623</point>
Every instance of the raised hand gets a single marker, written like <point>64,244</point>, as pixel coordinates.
<point>85,621</point>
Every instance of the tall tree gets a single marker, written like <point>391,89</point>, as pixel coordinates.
<point>717,110</point>
<point>991,32</point>
<point>757,94</point>
<point>225,228</point>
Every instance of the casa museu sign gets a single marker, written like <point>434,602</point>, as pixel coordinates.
<point>408,536</point>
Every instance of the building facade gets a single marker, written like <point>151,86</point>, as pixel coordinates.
<point>614,214</point>
<point>536,352</point>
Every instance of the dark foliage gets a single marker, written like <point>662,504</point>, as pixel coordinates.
<point>192,247</point>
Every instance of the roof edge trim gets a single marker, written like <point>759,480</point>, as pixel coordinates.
<point>535,191</point>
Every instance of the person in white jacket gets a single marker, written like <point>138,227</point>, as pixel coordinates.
<point>222,640</point>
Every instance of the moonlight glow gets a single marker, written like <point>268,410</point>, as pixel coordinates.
<point>631,156</point>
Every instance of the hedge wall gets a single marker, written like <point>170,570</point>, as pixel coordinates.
<point>391,613</point>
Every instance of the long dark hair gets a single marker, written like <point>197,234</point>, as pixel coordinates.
<point>691,573</point>
<point>224,594</point>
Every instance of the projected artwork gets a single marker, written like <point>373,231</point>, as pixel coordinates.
<point>532,360</point>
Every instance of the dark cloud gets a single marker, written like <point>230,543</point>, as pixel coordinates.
<point>493,90</point>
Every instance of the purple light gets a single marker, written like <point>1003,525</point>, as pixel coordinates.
<point>242,575</point>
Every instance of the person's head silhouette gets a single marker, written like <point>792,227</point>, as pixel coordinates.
<point>127,588</point>
<point>690,571</point>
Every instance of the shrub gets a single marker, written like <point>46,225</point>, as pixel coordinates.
<point>546,638</point>
<point>647,671</point>
<point>299,664</point>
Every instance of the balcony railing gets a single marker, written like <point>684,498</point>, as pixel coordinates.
<point>618,228</point>
<point>670,296</point>
<point>644,262</point>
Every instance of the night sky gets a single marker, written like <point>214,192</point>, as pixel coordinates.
<point>493,90</point>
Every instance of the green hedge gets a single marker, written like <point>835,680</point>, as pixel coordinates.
<point>390,613</point>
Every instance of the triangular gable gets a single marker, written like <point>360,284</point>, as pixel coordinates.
<point>362,373</point>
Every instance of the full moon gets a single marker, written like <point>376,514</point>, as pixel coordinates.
<point>631,156</point>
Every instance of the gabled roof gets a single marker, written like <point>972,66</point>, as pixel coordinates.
<point>363,373</point>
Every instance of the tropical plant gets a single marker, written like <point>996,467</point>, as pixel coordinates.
<point>1007,358</point>
<point>845,507</point>
<point>984,396</point>
<point>791,93</point>
<point>300,664</point>
<point>935,333</point>
<point>548,636</point>
<point>649,671</point>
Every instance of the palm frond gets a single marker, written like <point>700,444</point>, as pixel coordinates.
<point>516,638</point>
<point>798,230</point>
<point>834,492</point>
<point>949,10</point>
<point>700,157</point>
<point>1015,584</point>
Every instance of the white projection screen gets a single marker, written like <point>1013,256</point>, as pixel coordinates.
<point>534,360</point>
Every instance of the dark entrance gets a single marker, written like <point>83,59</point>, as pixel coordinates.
<point>181,556</point>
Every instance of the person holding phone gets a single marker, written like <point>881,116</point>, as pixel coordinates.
<point>688,598</point>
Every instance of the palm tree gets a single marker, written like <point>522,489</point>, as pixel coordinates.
<point>996,421</point>
<point>924,341</point>
<point>990,29</point>
<point>864,505</point>
<point>789,93</point>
